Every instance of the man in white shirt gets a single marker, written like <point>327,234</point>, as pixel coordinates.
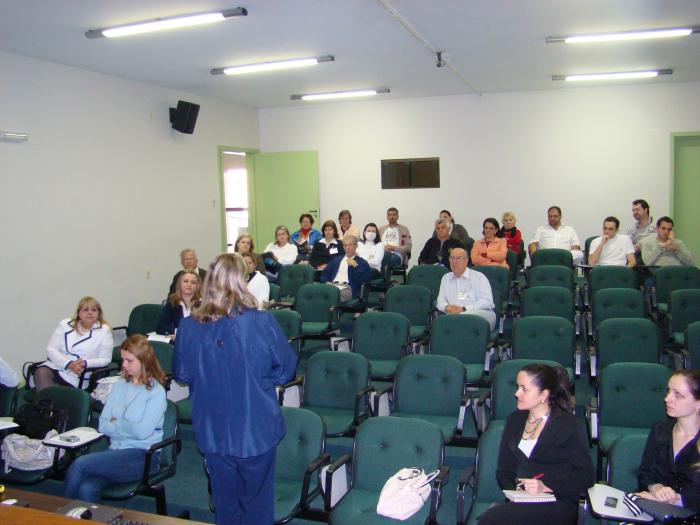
<point>611,248</point>
<point>396,238</point>
<point>556,235</point>
<point>465,291</point>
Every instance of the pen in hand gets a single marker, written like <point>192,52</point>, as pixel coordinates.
<point>521,485</point>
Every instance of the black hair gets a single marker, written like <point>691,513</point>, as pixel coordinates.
<point>376,239</point>
<point>664,219</point>
<point>308,216</point>
<point>644,204</point>
<point>554,208</point>
<point>392,209</point>
<point>329,223</point>
<point>612,219</point>
<point>552,378</point>
<point>491,221</point>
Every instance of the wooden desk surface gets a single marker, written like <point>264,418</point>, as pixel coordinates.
<point>40,505</point>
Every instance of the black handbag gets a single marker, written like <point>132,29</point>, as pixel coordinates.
<point>36,419</point>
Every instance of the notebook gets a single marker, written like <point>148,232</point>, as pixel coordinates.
<point>520,496</point>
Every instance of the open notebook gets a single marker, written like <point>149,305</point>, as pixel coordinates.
<point>520,496</point>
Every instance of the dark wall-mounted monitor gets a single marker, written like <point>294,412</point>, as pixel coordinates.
<point>411,173</point>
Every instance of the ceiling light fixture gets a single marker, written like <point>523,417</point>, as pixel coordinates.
<point>623,75</point>
<point>271,66</point>
<point>13,136</point>
<point>627,35</point>
<point>237,153</point>
<point>341,94</point>
<point>160,24</point>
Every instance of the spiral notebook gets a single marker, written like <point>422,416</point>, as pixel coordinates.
<point>520,496</point>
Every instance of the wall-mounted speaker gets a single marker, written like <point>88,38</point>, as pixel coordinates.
<point>184,117</point>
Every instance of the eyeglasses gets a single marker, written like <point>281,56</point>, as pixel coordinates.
<point>458,258</point>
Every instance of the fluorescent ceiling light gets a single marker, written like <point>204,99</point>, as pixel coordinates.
<point>161,24</point>
<point>239,153</point>
<point>341,94</point>
<point>271,66</point>
<point>627,35</point>
<point>624,75</point>
<point>14,136</point>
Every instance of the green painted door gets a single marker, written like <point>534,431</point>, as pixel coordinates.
<point>686,190</point>
<point>282,186</point>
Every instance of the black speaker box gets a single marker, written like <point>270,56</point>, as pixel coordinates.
<point>184,117</point>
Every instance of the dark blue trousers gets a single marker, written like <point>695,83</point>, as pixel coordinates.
<point>243,488</point>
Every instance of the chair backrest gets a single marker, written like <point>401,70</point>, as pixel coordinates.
<point>544,337</point>
<point>289,321</point>
<point>304,441</point>
<point>380,335</point>
<point>512,259</point>
<point>692,343</point>
<point>548,300</point>
<point>7,400</point>
<point>314,301</point>
<point>292,276</point>
<point>428,275</point>
<point>75,401</point>
<point>499,279</point>
<point>632,394</point>
<point>550,275</point>
<point>616,303</point>
<point>684,306</point>
<point>503,385</point>
<point>602,277</point>
<point>429,385</point>
<point>332,379</point>
<point>164,353</point>
<point>464,337</point>
<point>556,256</point>
<point>487,489</point>
<point>143,319</point>
<point>587,248</point>
<point>627,341</point>
<point>415,302</point>
<point>168,455</point>
<point>624,458</point>
<point>274,292</point>
<point>384,445</point>
<point>669,278</point>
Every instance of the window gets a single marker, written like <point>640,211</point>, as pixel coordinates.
<point>410,173</point>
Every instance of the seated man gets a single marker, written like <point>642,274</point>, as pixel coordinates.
<point>349,272</point>
<point>643,226</point>
<point>611,248</point>
<point>396,238</point>
<point>465,291</point>
<point>663,249</point>
<point>437,250</point>
<point>188,259</point>
<point>556,235</point>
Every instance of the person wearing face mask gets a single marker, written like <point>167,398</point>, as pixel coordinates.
<point>510,233</point>
<point>490,251</point>
<point>371,248</point>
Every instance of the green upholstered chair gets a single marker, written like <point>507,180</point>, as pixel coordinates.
<point>164,353</point>
<point>430,387</point>
<point>8,396</point>
<point>142,320</point>
<point>481,477</point>
<point>692,345</point>
<point>384,445</point>
<point>615,303</point>
<point>684,308</point>
<point>274,292</point>
<point>290,323</point>
<point>602,277</point>
<point>299,456</point>
<point>555,256</point>
<point>292,276</point>
<point>587,248</point>
<point>550,275</point>
<point>416,304</point>
<point>318,306</point>
<point>670,278</point>
<point>152,485</point>
<point>630,400</point>
<point>466,338</point>
<point>381,284</point>
<point>625,341</point>
<point>336,386</point>
<point>624,459</point>
<point>428,275</point>
<point>546,337</point>
<point>381,337</point>
<point>554,301</point>
<point>499,279</point>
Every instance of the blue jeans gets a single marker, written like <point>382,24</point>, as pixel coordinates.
<point>90,474</point>
<point>396,260</point>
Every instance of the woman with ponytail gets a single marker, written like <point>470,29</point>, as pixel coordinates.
<point>542,452</point>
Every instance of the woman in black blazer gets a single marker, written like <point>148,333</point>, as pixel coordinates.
<point>542,451</point>
<point>180,303</point>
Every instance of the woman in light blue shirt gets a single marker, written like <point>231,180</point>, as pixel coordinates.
<point>133,421</point>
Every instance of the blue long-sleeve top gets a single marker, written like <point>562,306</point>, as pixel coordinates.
<point>138,413</point>
<point>232,367</point>
<point>169,319</point>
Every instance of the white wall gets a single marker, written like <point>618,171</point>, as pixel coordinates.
<point>591,151</point>
<point>103,193</point>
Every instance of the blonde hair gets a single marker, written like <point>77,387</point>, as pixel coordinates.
<point>240,238</point>
<point>508,214</point>
<point>225,289</point>
<point>175,297</point>
<point>82,303</point>
<point>138,346</point>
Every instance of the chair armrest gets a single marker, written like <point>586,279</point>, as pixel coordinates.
<point>299,381</point>
<point>436,492</point>
<point>336,342</point>
<point>103,371</point>
<point>278,305</point>
<point>467,477</point>
<point>377,395</point>
<point>358,398</point>
<point>175,441</point>
<point>97,374</point>
<point>28,369</point>
<point>592,421</point>
<point>316,464</point>
<point>342,460</point>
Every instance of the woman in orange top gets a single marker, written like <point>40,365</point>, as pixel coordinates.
<point>491,250</point>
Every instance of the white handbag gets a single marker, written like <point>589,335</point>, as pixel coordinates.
<point>404,493</point>
<point>22,453</point>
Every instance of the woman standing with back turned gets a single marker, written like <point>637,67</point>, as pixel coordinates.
<point>232,355</point>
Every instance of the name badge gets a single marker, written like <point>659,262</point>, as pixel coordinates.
<point>333,250</point>
<point>463,296</point>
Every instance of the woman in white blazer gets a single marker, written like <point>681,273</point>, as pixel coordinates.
<point>83,341</point>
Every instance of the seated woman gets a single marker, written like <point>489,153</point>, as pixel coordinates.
<point>305,237</point>
<point>258,284</point>
<point>346,225</point>
<point>180,303</point>
<point>327,247</point>
<point>457,231</point>
<point>371,248</point>
<point>83,341</point>
<point>279,253</point>
<point>670,469</point>
<point>244,244</point>
<point>542,452</point>
<point>510,233</point>
<point>490,251</point>
<point>132,419</point>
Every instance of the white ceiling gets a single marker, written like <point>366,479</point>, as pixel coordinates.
<point>497,45</point>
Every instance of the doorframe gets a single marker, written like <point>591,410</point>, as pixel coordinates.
<point>672,178</point>
<point>222,189</point>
